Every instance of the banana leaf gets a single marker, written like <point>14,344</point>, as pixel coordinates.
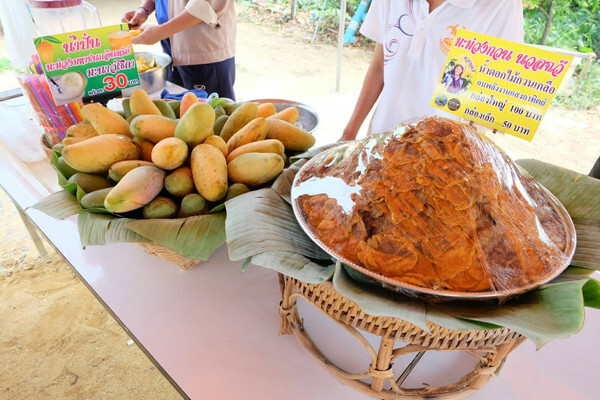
<point>261,222</point>
<point>316,150</point>
<point>294,265</point>
<point>552,311</point>
<point>378,301</point>
<point>193,237</point>
<point>579,194</point>
<point>99,229</point>
<point>59,205</point>
<point>283,183</point>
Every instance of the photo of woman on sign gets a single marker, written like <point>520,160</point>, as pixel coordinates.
<point>454,80</point>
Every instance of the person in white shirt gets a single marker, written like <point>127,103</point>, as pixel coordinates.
<point>412,40</point>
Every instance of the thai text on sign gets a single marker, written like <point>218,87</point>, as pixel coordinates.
<point>501,84</point>
<point>88,63</point>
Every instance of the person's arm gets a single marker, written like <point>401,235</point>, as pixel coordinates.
<point>155,33</point>
<point>371,89</point>
<point>137,17</point>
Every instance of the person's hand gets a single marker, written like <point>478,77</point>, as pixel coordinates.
<point>135,18</point>
<point>348,134</point>
<point>150,34</point>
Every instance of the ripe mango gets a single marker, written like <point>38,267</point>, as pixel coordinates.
<point>81,130</point>
<point>98,153</point>
<point>153,127</point>
<point>209,170</point>
<point>193,204</point>
<point>255,169</point>
<point>292,137</point>
<point>145,147</point>
<point>243,114</point>
<point>67,141</point>
<point>141,104</point>
<point>117,171</point>
<point>95,199</point>
<point>262,146</point>
<point>164,109</point>
<point>253,131</point>
<point>104,120</point>
<point>289,114</point>
<point>137,188</point>
<point>188,100</point>
<point>266,110</point>
<point>160,207</point>
<point>180,182</point>
<point>218,142</point>
<point>89,182</point>
<point>196,125</point>
<point>169,153</point>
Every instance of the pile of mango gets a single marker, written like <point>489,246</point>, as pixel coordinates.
<point>175,159</point>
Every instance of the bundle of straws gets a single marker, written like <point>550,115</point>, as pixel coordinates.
<point>53,118</point>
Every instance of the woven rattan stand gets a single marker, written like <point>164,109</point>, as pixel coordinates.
<point>491,347</point>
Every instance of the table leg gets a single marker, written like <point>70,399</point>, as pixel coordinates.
<point>33,233</point>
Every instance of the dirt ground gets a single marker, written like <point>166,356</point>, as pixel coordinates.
<point>57,340</point>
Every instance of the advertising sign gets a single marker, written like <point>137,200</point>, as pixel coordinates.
<point>86,63</point>
<point>500,84</point>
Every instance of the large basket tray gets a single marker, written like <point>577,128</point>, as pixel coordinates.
<point>168,255</point>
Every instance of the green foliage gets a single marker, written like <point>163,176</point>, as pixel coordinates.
<point>584,94</point>
<point>5,64</point>
<point>576,29</point>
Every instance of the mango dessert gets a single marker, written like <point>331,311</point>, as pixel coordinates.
<point>434,205</point>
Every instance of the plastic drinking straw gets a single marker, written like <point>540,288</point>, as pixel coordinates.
<point>72,118</point>
<point>75,108</point>
<point>62,114</point>
<point>43,101</point>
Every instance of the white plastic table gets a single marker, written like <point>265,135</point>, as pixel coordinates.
<point>213,330</point>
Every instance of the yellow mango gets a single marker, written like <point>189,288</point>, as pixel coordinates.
<point>145,147</point>
<point>67,141</point>
<point>137,188</point>
<point>266,110</point>
<point>218,142</point>
<point>292,137</point>
<point>262,146</point>
<point>153,127</point>
<point>104,120</point>
<point>243,114</point>
<point>209,170</point>
<point>81,130</point>
<point>255,169</point>
<point>141,104</point>
<point>180,182</point>
<point>196,125</point>
<point>117,171</point>
<point>289,114</point>
<point>169,153</point>
<point>98,153</point>
<point>253,131</point>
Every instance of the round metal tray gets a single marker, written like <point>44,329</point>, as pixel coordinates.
<point>308,119</point>
<point>371,277</point>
